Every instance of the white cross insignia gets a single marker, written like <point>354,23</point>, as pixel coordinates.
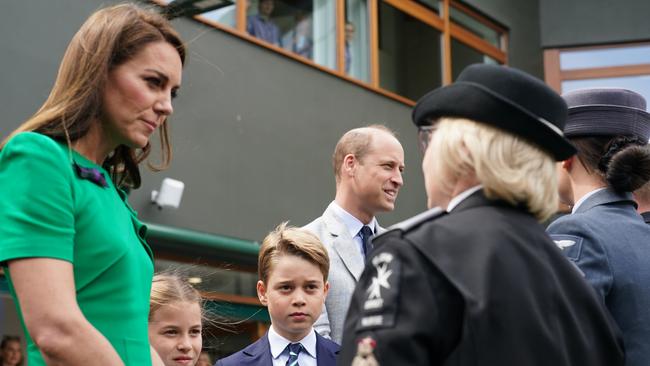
<point>381,263</point>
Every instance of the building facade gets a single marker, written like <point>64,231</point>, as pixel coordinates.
<point>257,118</point>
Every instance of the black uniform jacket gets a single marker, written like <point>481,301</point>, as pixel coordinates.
<point>482,285</point>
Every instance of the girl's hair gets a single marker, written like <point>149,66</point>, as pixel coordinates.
<point>5,342</point>
<point>623,162</point>
<point>169,288</point>
<point>510,168</point>
<point>108,38</point>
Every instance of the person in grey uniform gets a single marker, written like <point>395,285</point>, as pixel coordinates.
<point>476,280</point>
<point>604,235</point>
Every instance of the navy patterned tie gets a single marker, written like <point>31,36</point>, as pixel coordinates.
<point>366,233</point>
<point>294,351</point>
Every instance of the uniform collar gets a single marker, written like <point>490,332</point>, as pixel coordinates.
<point>584,198</point>
<point>462,196</point>
<point>278,343</point>
<point>601,197</point>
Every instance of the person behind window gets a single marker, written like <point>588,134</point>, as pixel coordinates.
<point>73,250</point>
<point>11,351</point>
<point>604,235</point>
<point>299,39</point>
<point>262,26</point>
<point>175,320</point>
<point>349,36</point>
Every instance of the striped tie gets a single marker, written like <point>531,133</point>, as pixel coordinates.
<point>294,351</point>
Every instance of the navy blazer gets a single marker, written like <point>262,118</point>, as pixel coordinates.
<point>259,354</point>
<point>608,240</point>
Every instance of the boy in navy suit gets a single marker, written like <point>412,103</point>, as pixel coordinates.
<point>293,266</point>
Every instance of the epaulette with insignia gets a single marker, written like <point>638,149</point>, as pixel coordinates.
<point>418,219</point>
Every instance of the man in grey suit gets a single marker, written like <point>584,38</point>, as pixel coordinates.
<point>368,164</point>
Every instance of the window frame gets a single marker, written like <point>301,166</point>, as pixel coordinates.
<point>430,17</point>
<point>554,75</point>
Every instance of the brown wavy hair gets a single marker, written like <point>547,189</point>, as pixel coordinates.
<point>108,38</point>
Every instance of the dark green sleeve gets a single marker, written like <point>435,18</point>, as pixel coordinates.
<point>36,209</point>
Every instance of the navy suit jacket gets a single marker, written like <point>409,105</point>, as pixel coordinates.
<point>259,354</point>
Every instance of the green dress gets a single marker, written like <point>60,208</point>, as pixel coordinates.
<point>48,210</point>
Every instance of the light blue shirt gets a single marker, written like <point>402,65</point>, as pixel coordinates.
<point>280,353</point>
<point>353,224</point>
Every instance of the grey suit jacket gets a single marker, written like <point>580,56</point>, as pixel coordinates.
<point>346,265</point>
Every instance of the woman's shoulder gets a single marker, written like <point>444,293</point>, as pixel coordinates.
<point>30,137</point>
<point>34,152</point>
<point>33,139</point>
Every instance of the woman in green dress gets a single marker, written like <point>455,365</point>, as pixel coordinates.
<point>73,250</point>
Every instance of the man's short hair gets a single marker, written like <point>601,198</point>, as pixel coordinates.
<point>508,167</point>
<point>290,240</point>
<point>356,142</point>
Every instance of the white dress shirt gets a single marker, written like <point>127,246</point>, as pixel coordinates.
<point>280,353</point>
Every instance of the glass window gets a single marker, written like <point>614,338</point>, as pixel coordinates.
<point>226,15</point>
<point>410,61</point>
<point>639,84</point>
<point>357,40</point>
<point>220,11</point>
<point>307,28</point>
<point>476,27</point>
<point>463,55</point>
<point>615,56</point>
<point>214,279</point>
<point>433,4</point>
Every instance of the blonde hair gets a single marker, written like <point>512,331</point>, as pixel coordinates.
<point>289,240</point>
<point>509,167</point>
<point>108,38</point>
<point>168,288</point>
<point>356,142</point>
